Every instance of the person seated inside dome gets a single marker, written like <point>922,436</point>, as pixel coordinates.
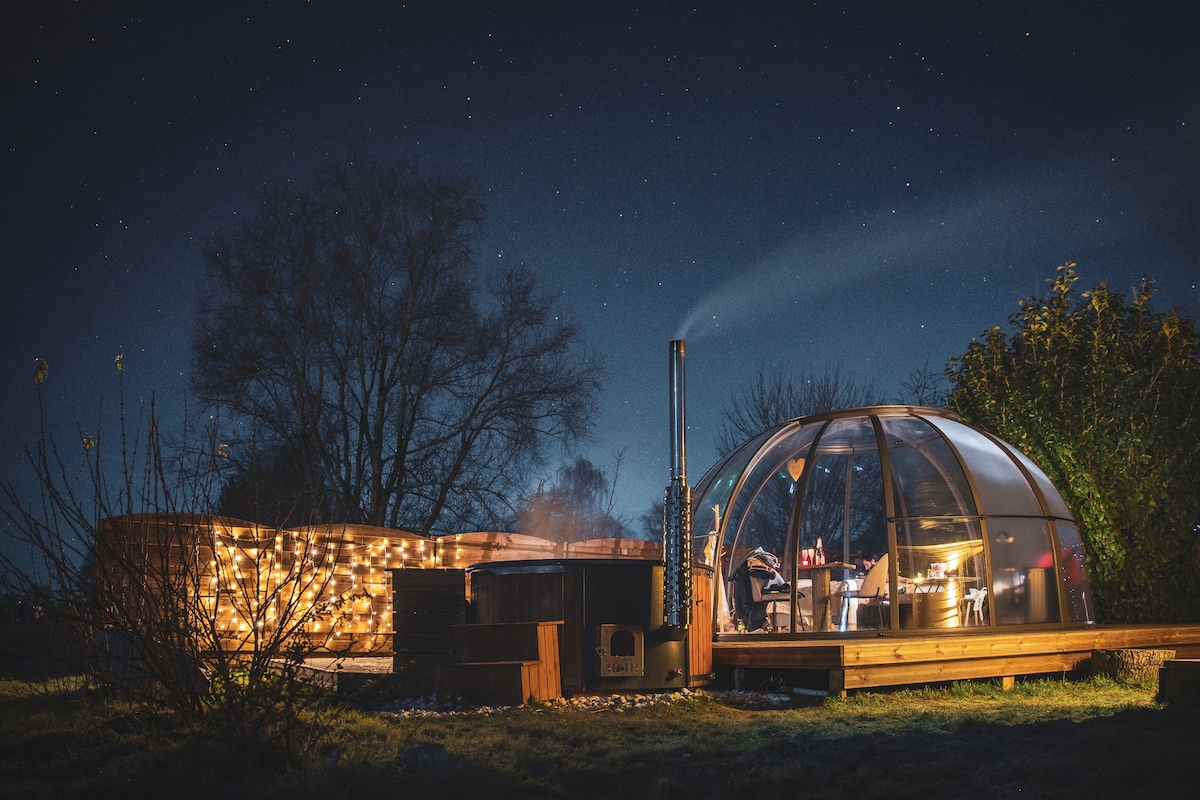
<point>757,582</point>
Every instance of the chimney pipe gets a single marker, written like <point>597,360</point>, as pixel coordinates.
<point>677,511</point>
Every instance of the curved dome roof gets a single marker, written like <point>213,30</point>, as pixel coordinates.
<point>964,529</point>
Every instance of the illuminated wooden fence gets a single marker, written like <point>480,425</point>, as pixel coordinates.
<point>330,583</point>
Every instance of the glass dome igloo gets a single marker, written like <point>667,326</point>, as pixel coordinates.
<point>886,518</point>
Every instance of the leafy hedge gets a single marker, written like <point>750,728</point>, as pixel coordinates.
<point>1103,393</point>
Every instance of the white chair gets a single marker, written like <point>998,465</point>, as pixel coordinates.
<point>973,605</point>
<point>876,581</point>
<point>871,594</point>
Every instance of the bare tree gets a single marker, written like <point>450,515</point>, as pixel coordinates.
<point>779,395</point>
<point>772,399</point>
<point>267,486</point>
<point>578,505</point>
<point>151,597</point>
<point>926,387</point>
<point>650,523</point>
<point>349,322</point>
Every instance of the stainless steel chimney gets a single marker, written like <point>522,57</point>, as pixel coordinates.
<point>677,511</point>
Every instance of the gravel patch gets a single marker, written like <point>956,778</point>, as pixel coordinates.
<point>611,703</point>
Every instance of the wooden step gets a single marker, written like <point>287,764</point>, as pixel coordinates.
<point>507,683</point>
<point>507,641</point>
<point>507,663</point>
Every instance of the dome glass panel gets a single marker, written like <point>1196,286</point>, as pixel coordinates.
<point>1001,486</point>
<point>887,517</point>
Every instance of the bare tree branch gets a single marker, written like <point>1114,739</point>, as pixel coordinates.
<point>349,322</point>
<point>780,395</point>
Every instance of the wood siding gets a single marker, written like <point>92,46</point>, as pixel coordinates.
<point>700,638</point>
<point>427,604</point>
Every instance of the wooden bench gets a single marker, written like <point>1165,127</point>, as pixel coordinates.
<point>1179,681</point>
<point>506,663</point>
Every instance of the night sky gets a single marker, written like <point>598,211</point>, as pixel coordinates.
<point>871,184</point>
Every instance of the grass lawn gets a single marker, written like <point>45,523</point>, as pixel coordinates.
<point>1042,739</point>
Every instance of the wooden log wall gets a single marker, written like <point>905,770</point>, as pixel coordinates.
<point>244,575</point>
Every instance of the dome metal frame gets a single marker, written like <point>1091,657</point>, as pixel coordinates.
<point>945,493</point>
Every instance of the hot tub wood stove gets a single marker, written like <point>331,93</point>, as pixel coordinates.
<point>627,624</point>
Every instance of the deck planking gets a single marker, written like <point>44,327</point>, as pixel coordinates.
<point>895,659</point>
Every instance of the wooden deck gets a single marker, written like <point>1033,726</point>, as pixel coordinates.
<point>845,662</point>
